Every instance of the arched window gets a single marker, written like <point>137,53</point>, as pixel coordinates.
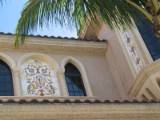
<point>6,83</point>
<point>74,81</point>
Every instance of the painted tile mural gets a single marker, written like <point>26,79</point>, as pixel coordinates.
<point>38,79</point>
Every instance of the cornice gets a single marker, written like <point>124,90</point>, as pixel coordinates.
<point>55,44</point>
<point>79,111</point>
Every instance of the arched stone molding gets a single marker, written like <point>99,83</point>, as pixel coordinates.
<point>13,67</point>
<point>82,70</point>
<point>44,58</point>
<point>146,86</point>
<point>8,60</point>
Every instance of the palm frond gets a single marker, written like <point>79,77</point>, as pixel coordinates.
<point>38,13</point>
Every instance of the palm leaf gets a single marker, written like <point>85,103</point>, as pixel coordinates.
<point>38,13</point>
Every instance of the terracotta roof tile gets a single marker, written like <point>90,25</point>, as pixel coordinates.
<point>68,100</point>
<point>58,37</point>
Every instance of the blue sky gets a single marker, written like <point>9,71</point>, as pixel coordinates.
<point>10,12</point>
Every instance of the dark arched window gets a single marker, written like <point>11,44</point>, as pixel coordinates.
<point>6,83</point>
<point>74,81</point>
<point>151,41</point>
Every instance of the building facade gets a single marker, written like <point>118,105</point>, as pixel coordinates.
<point>104,74</point>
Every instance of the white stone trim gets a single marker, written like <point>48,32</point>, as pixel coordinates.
<point>13,67</point>
<point>82,70</point>
<point>145,52</point>
<point>146,78</point>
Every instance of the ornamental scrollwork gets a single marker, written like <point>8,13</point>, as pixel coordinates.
<point>39,79</point>
<point>132,50</point>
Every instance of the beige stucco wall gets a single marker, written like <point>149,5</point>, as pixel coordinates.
<point>117,62</point>
<point>126,58</point>
<point>97,70</point>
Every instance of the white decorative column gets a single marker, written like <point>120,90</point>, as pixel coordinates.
<point>61,78</point>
